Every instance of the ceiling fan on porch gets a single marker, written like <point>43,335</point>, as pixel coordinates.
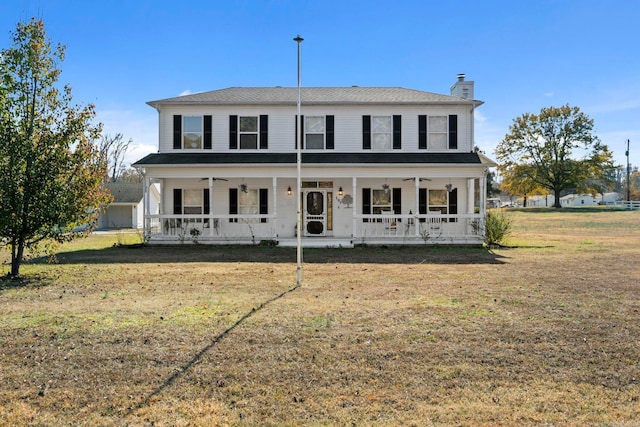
<point>413,179</point>
<point>214,179</point>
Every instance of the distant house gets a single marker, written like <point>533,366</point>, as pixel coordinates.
<point>588,199</point>
<point>126,210</point>
<point>378,165</point>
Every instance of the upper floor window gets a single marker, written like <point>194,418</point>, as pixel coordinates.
<point>438,132</point>
<point>381,133</point>
<point>248,132</point>
<point>191,132</point>
<point>314,129</point>
<point>317,132</point>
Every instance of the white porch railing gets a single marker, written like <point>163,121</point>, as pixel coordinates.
<point>226,228</point>
<point>368,229</point>
<point>429,228</point>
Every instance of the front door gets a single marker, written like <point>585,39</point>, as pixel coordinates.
<point>315,212</point>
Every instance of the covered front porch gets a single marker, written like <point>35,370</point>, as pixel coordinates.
<point>337,209</point>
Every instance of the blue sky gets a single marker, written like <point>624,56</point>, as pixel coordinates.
<point>523,55</point>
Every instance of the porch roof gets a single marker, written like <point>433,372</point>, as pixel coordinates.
<point>177,159</point>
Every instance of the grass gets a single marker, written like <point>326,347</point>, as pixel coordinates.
<point>544,333</point>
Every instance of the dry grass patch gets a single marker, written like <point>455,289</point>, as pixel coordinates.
<point>545,333</point>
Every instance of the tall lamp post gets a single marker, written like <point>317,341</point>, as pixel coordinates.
<point>628,180</point>
<point>299,40</point>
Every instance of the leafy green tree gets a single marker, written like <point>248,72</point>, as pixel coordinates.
<point>50,172</point>
<point>548,143</point>
<point>517,180</point>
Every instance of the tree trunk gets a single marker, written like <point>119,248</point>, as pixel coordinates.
<point>16,257</point>
<point>557,204</point>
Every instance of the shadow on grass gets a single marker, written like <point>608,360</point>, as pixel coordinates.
<point>198,356</point>
<point>258,254</point>
<point>7,282</point>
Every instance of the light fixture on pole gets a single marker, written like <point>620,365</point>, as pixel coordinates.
<point>628,172</point>
<point>299,40</point>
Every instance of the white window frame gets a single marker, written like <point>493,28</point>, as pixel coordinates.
<point>192,201</point>
<point>312,130</point>
<point>249,132</point>
<point>378,196</point>
<point>198,141</point>
<point>380,134</point>
<point>437,139</point>
<point>434,201</point>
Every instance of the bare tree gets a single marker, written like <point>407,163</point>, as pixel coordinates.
<point>112,151</point>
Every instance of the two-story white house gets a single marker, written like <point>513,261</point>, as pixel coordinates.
<point>380,165</point>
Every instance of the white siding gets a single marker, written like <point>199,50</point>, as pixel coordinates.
<point>348,124</point>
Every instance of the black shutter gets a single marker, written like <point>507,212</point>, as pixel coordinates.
<point>301,131</point>
<point>264,132</point>
<point>453,132</point>
<point>422,132</point>
<point>366,132</point>
<point>422,202</point>
<point>295,138</point>
<point>233,132</point>
<point>397,132</point>
<point>207,132</point>
<point>206,203</point>
<point>233,203</point>
<point>330,135</point>
<point>263,203</point>
<point>397,201</point>
<point>177,132</point>
<point>453,204</point>
<point>177,201</point>
<point>366,202</point>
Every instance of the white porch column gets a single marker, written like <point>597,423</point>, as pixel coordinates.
<point>211,227</point>
<point>470,195</point>
<point>274,185</point>
<point>483,192</point>
<point>354,185</point>
<point>146,221</point>
<point>417,196</point>
<point>161,202</point>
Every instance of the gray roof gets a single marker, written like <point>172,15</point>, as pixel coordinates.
<point>313,96</point>
<point>307,158</point>
<point>125,192</point>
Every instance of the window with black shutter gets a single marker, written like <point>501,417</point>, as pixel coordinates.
<point>366,203</point>
<point>208,128</point>
<point>366,132</point>
<point>453,132</point>
<point>177,201</point>
<point>422,132</point>
<point>233,203</point>
<point>397,132</point>
<point>177,132</point>
<point>453,204</point>
<point>264,203</point>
